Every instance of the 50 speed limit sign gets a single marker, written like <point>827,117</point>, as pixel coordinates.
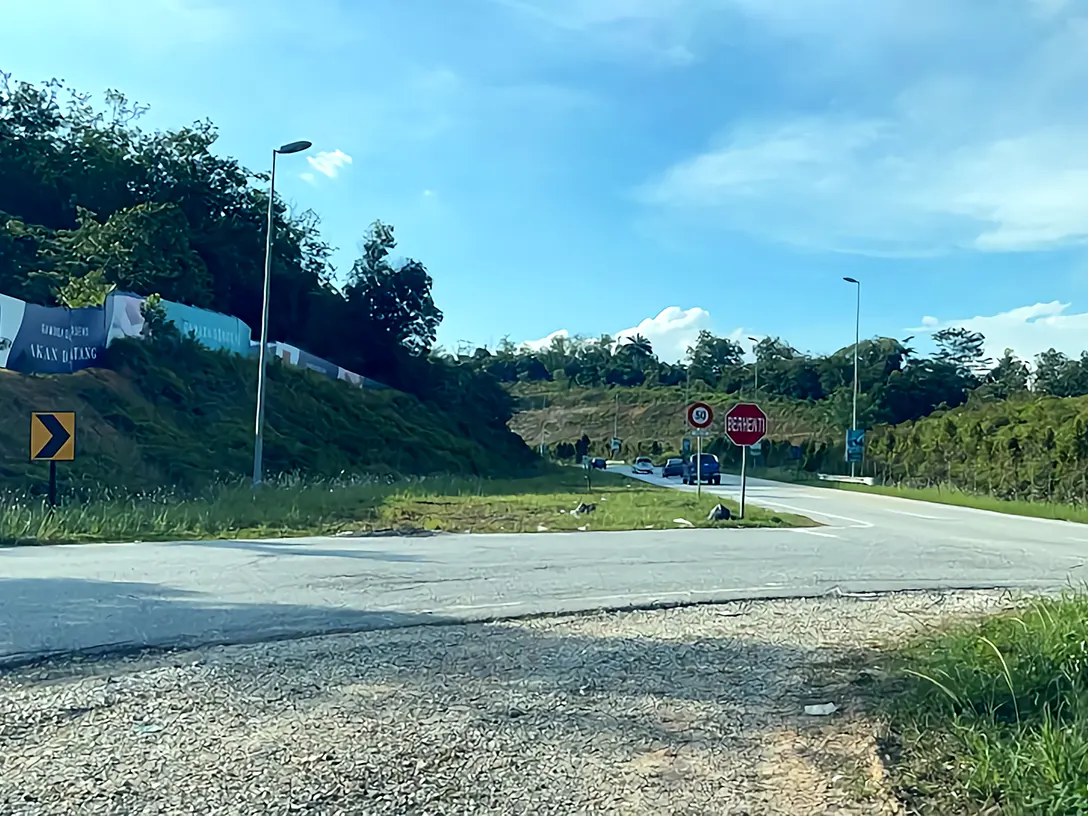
<point>700,415</point>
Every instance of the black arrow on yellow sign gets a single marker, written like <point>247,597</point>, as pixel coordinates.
<point>53,436</point>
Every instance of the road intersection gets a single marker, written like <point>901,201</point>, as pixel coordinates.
<point>115,597</point>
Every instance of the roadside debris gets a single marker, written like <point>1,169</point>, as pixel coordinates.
<point>821,710</point>
<point>719,513</point>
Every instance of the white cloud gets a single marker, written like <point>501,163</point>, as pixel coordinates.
<point>671,332</point>
<point>1027,330</point>
<point>329,163</point>
<point>966,152</point>
<point>656,29</point>
<point>309,178</point>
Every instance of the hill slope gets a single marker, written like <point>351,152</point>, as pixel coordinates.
<point>558,413</point>
<point>184,418</point>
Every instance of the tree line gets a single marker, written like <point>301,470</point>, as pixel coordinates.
<point>90,202</point>
<point>896,384</point>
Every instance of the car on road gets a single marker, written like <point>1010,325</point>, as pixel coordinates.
<point>673,467</point>
<point>643,464</point>
<point>598,463</point>
<point>702,467</point>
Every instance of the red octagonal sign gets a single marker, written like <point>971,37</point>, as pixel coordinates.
<point>745,424</point>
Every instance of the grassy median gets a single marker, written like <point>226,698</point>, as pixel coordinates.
<point>295,507</point>
<point>992,716</point>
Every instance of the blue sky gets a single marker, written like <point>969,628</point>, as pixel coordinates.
<point>598,166</point>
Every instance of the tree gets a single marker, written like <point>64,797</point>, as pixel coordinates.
<point>581,447</point>
<point>1009,376</point>
<point>963,349</point>
<point>395,303</point>
<point>710,358</point>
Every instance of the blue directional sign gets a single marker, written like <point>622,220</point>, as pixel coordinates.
<point>855,445</point>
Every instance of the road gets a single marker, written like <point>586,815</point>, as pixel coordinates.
<point>113,597</point>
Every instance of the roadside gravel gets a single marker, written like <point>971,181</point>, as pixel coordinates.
<point>684,711</point>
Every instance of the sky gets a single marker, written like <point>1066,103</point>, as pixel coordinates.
<point>652,166</point>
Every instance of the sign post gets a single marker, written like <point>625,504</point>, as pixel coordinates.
<point>745,425</point>
<point>699,416</point>
<point>52,440</point>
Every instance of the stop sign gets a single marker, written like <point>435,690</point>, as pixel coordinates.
<point>745,424</point>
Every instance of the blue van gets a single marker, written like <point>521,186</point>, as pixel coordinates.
<point>706,470</point>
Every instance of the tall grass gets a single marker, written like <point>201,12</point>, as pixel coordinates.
<point>295,506</point>
<point>995,713</point>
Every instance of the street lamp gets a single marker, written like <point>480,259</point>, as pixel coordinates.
<point>258,442</point>
<point>756,341</point>
<point>857,341</point>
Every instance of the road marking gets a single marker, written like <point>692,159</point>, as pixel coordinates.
<point>815,533</point>
<point>855,523</point>
<point>919,515</point>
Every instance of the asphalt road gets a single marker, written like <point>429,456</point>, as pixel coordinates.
<point>115,597</point>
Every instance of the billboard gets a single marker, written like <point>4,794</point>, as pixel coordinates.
<point>50,339</point>
<point>211,329</point>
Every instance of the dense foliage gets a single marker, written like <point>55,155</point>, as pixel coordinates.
<point>896,384</point>
<point>89,202</point>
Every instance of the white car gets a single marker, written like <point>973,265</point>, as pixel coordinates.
<point>643,464</point>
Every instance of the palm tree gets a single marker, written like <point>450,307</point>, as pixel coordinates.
<point>641,344</point>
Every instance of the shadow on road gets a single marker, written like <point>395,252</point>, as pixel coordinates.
<point>117,617</point>
<point>276,549</point>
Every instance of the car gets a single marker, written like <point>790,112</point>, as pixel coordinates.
<point>643,464</point>
<point>702,468</point>
<point>598,463</point>
<point>673,467</point>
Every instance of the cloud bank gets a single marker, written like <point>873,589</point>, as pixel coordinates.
<point>973,142</point>
<point>671,332</point>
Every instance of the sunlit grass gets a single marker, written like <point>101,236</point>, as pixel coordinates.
<point>994,714</point>
<point>943,494</point>
<point>292,506</point>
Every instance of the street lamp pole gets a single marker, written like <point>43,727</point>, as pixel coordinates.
<point>262,361</point>
<point>756,341</point>
<point>857,342</point>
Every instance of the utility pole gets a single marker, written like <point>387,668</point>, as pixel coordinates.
<point>857,342</point>
<point>756,355</point>
<point>262,362</point>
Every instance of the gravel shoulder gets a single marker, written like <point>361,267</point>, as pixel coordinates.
<point>682,711</point>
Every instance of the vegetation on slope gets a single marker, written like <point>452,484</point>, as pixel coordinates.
<point>184,416</point>
<point>1029,449</point>
<point>90,203</point>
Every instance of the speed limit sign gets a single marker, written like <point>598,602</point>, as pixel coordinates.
<point>700,415</point>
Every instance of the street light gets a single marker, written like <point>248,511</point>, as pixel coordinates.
<point>258,442</point>
<point>756,341</point>
<point>857,341</point>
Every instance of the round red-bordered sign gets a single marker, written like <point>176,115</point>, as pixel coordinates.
<point>700,415</point>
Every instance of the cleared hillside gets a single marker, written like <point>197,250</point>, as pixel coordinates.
<point>558,413</point>
<point>184,418</point>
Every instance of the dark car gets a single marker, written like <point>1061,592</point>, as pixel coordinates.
<point>598,463</point>
<point>706,469</point>
<point>673,467</point>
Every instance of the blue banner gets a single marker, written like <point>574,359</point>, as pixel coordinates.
<point>211,329</point>
<point>50,339</point>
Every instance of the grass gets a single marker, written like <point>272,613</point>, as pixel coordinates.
<point>294,507</point>
<point>937,495</point>
<point>991,716</point>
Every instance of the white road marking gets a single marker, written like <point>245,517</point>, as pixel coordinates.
<point>814,533</point>
<point>919,515</point>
